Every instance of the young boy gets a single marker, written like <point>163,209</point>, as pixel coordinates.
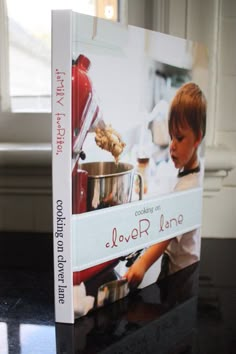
<point>187,126</point>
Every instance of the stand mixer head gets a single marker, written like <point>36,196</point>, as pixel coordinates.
<point>86,115</point>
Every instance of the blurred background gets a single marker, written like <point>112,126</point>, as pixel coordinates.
<point>25,96</point>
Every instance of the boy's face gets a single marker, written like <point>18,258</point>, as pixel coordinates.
<point>183,148</point>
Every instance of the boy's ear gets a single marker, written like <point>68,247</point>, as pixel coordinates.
<point>198,140</point>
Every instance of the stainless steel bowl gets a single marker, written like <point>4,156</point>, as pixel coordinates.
<point>112,291</point>
<point>109,184</point>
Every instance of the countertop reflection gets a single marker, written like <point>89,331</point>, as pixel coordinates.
<point>157,319</point>
<point>160,315</point>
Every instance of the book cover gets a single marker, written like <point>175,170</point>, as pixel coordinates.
<point>121,185</point>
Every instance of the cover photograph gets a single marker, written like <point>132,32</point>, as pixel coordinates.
<point>128,127</point>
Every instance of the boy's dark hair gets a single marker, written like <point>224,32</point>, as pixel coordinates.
<point>188,107</point>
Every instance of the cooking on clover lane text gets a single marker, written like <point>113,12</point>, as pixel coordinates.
<point>60,257</point>
<point>145,228</point>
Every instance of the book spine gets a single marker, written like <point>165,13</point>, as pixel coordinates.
<point>61,163</point>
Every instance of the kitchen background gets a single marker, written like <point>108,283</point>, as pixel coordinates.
<point>25,150</point>
<point>135,74</point>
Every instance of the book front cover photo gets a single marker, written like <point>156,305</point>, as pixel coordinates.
<point>120,187</point>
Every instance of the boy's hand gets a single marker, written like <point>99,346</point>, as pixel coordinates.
<point>135,273</point>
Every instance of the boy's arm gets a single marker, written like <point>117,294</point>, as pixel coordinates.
<point>137,271</point>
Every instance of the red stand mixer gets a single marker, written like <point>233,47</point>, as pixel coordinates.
<point>86,115</point>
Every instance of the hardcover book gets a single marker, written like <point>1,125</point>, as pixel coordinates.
<point>115,166</point>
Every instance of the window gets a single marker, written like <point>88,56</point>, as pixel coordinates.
<point>29,26</point>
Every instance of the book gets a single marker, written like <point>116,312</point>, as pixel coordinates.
<point>113,177</point>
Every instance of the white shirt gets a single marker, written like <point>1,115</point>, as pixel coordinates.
<point>184,250</point>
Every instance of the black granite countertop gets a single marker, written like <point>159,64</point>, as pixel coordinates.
<point>170,317</point>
